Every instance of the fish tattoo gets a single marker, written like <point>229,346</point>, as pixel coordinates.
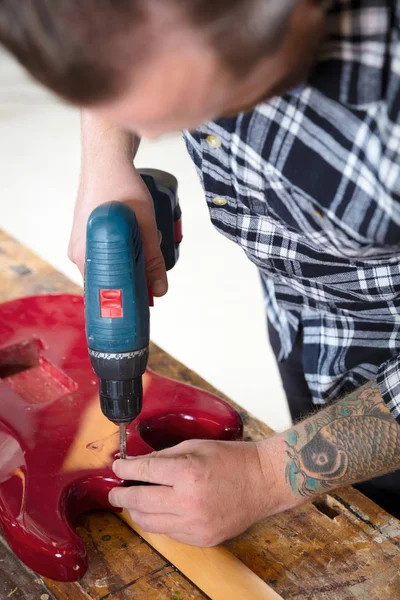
<point>355,439</point>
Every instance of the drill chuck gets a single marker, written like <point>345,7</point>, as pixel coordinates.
<point>121,389</point>
<point>121,401</point>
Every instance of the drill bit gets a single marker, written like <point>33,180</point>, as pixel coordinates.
<point>122,440</point>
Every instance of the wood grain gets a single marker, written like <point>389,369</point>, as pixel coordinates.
<point>302,554</point>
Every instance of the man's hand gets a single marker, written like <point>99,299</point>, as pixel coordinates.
<point>210,491</point>
<point>107,174</point>
<point>207,491</point>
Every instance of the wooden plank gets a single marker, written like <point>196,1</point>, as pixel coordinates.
<point>303,553</point>
<point>216,571</point>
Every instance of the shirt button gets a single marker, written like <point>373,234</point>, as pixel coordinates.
<point>219,201</point>
<point>214,141</point>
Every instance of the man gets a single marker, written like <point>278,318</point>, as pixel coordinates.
<point>291,114</point>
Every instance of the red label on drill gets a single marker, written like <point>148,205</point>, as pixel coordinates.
<point>178,231</point>
<point>111,304</point>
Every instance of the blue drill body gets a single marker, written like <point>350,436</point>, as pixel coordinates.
<point>115,261</point>
<point>116,294</point>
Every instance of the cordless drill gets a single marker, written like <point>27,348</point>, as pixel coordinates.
<point>117,296</point>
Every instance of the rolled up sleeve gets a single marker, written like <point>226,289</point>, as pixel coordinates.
<point>388,380</point>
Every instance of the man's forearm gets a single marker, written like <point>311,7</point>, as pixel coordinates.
<point>100,137</point>
<point>108,173</point>
<point>352,440</point>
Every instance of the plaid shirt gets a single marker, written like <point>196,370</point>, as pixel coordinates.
<point>308,184</point>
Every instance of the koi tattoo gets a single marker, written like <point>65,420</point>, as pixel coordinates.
<point>352,440</point>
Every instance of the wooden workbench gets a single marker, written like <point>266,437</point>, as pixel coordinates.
<point>343,547</point>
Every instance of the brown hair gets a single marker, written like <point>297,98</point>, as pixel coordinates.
<point>75,47</point>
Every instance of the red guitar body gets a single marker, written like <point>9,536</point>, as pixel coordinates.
<point>56,447</point>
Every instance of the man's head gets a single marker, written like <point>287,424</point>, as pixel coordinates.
<point>160,65</point>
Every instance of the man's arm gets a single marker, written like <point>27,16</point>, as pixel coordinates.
<point>108,173</point>
<point>352,440</point>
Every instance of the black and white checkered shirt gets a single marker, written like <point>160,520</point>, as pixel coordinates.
<point>309,186</point>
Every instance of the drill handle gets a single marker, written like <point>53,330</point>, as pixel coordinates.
<point>116,300</point>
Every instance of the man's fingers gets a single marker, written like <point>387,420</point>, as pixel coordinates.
<point>145,499</point>
<point>150,469</point>
<point>155,266</point>
<point>156,274</point>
